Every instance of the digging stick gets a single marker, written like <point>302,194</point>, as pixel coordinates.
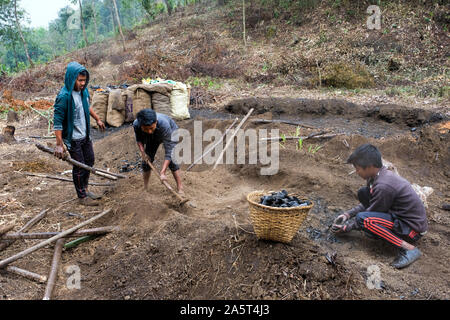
<point>27,274</point>
<point>235,131</point>
<point>48,235</point>
<point>62,179</point>
<point>294,123</point>
<point>167,184</point>
<point>76,163</point>
<point>54,269</point>
<point>25,228</point>
<point>212,147</point>
<point>22,254</point>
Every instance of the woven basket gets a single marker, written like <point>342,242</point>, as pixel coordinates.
<point>276,224</point>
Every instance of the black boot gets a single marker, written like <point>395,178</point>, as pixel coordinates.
<point>406,257</point>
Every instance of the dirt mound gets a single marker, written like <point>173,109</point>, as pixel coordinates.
<point>298,107</point>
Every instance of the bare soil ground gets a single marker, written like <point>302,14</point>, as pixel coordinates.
<point>208,250</point>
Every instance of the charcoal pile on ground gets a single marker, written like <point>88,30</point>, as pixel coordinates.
<point>282,199</point>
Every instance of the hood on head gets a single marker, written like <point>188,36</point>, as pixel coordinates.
<point>72,72</point>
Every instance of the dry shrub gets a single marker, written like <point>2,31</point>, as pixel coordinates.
<point>214,70</point>
<point>288,63</point>
<point>119,58</point>
<point>260,78</point>
<point>130,35</point>
<point>345,75</point>
<point>200,97</point>
<point>153,64</point>
<point>28,82</point>
<point>213,59</point>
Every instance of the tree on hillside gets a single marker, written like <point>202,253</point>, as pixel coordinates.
<point>82,21</point>
<point>18,15</point>
<point>94,18</point>
<point>119,24</point>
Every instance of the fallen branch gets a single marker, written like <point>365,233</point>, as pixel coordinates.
<point>25,228</point>
<point>48,235</point>
<point>38,246</point>
<point>320,135</point>
<point>212,147</point>
<point>27,274</point>
<point>312,135</point>
<point>235,131</point>
<point>76,163</point>
<point>54,269</point>
<point>294,123</point>
<point>62,179</point>
<point>5,229</point>
<point>118,175</point>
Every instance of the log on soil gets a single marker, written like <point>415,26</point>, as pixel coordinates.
<point>27,274</point>
<point>38,246</point>
<point>25,228</point>
<point>48,235</point>
<point>47,176</point>
<point>5,229</point>
<point>54,269</point>
<point>293,123</point>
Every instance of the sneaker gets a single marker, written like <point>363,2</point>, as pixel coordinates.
<point>88,202</point>
<point>93,196</point>
<point>406,257</point>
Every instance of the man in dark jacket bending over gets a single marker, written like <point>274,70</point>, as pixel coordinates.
<point>151,129</point>
<point>71,124</point>
<point>390,209</point>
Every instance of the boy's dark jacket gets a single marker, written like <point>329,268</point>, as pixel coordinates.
<point>64,104</point>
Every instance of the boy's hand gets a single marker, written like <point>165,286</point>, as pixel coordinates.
<point>339,222</point>
<point>100,124</point>
<point>340,219</point>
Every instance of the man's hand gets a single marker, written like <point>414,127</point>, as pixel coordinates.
<point>163,176</point>
<point>100,124</point>
<point>145,157</point>
<point>60,152</point>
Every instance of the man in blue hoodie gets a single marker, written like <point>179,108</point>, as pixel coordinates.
<point>71,123</point>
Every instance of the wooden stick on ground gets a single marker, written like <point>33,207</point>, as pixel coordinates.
<point>118,175</point>
<point>25,228</point>
<point>235,131</point>
<point>312,135</point>
<point>54,269</point>
<point>38,246</point>
<point>48,235</point>
<point>78,164</point>
<point>294,123</point>
<point>5,229</point>
<point>27,274</point>
<point>166,184</point>
<point>212,147</point>
<point>62,178</point>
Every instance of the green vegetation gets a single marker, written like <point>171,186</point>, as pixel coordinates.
<point>65,34</point>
